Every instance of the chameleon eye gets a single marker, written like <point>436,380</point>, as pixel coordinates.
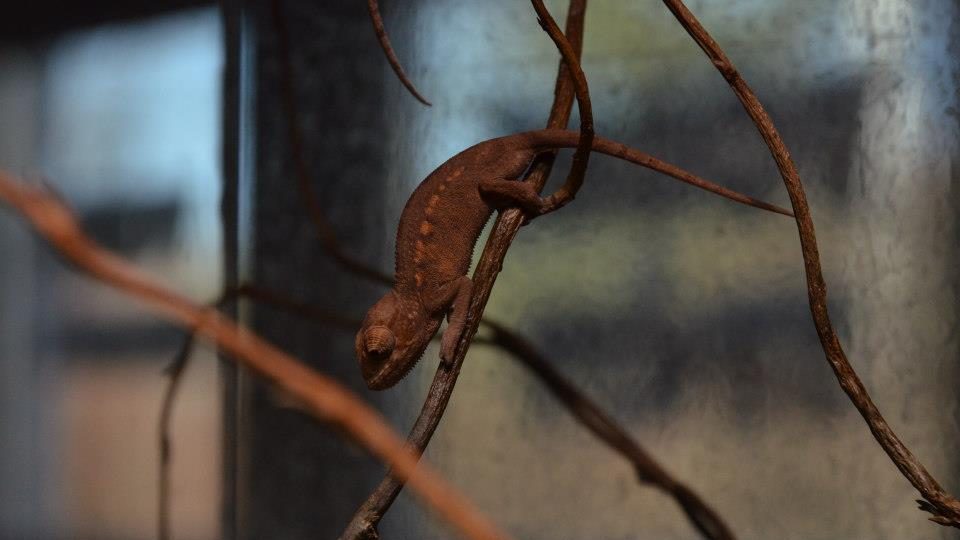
<point>379,341</point>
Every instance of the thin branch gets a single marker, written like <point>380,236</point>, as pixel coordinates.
<point>588,413</point>
<point>374,9</point>
<point>364,524</point>
<point>179,364</point>
<point>323,397</point>
<point>944,507</point>
<point>308,196</point>
<point>571,58</point>
<point>175,373</point>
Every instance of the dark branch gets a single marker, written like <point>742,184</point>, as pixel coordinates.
<point>588,413</point>
<point>374,9</point>
<point>571,59</point>
<point>944,507</point>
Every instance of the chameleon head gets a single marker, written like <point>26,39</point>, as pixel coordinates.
<point>391,339</point>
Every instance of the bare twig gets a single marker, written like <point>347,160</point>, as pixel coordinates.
<point>581,157</point>
<point>175,373</point>
<point>365,521</point>
<point>944,507</point>
<point>374,9</point>
<point>323,397</point>
<point>704,518</point>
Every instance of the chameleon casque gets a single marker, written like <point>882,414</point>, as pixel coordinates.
<point>438,228</point>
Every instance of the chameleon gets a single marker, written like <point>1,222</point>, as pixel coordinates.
<point>439,226</point>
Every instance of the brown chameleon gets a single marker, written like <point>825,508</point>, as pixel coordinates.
<point>438,228</point>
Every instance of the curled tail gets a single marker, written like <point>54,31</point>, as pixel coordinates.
<point>548,139</point>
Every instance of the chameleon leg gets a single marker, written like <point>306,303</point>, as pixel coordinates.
<point>459,290</point>
<point>500,193</point>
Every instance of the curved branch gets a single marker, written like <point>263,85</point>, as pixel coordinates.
<point>326,399</point>
<point>571,59</point>
<point>944,507</point>
<point>374,9</point>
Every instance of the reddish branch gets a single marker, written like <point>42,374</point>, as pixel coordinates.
<point>179,364</point>
<point>323,397</point>
<point>944,507</point>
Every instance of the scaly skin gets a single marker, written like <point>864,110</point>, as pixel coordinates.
<point>439,227</point>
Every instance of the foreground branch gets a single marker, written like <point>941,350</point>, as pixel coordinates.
<point>364,523</point>
<point>178,366</point>
<point>944,507</point>
<point>323,397</point>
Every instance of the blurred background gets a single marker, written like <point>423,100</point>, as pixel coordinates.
<point>682,314</point>
<point>118,106</point>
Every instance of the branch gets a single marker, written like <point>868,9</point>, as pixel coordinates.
<point>179,364</point>
<point>944,507</point>
<point>571,59</point>
<point>324,398</point>
<point>365,521</point>
<point>588,413</point>
<point>374,9</point>
<point>585,411</point>
<point>175,372</point>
